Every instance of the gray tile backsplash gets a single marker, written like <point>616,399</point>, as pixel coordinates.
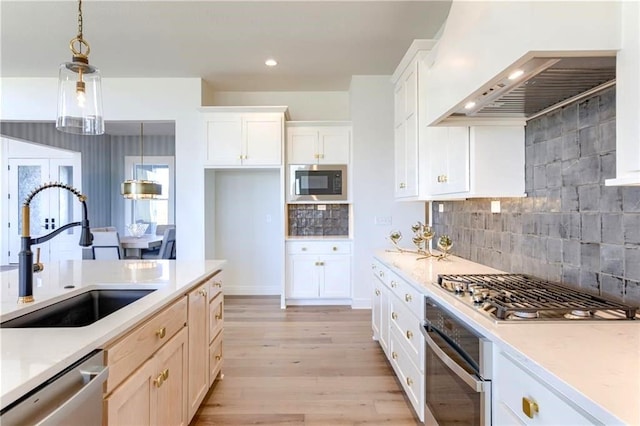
<point>570,227</point>
<point>309,219</point>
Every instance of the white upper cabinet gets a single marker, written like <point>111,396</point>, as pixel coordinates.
<point>478,161</point>
<point>318,143</point>
<point>244,136</point>
<point>408,110</point>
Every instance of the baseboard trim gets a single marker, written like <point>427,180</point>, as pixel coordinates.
<point>318,302</point>
<point>361,304</point>
<point>251,290</point>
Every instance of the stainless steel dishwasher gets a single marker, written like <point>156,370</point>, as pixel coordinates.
<point>72,397</point>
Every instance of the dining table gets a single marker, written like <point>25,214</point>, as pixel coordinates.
<point>133,246</point>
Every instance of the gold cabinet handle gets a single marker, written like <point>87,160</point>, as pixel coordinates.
<point>161,332</point>
<point>394,355</point>
<point>381,274</point>
<point>403,185</point>
<point>321,155</point>
<point>319,263</point>
<point>373,267</point>
<point>219,316</point>
<point>409,381</point>
<point>159,380</point>
<point>165,374</point>
<point>377,292</point>
<point>303,249</point>
<point>394,315</point>
<point>217,284</point>
<point>407,297</point>
<point>202,292</point>
<point>394,284</point>
<point>409,334</point>
<point>219,357</point>
<point>335,248</point>
<point>442,179</point>
<point>529,407</point>
<point>316,156</point>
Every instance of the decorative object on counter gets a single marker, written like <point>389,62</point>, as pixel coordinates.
<point>140,189</point>
<point>137,229</point>
<point>26,267</point>
<point>79,90</point>
<point>422,236</point>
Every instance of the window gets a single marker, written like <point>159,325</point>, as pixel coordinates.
<point>159,211</point>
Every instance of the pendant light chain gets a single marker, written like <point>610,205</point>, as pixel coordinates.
<point>141,149</point>
<point>80,19</point>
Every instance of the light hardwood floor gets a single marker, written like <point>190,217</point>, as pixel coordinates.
<point>302,366</point>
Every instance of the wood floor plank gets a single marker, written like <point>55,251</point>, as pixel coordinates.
<point>305,365</point>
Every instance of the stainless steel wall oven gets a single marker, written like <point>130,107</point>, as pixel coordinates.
<point>457,371</point>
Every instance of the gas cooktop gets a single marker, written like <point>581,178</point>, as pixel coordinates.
<point>517,297</point>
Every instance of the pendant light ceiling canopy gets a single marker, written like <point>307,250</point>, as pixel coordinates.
<point>140,189</point>
<point>79,90</point>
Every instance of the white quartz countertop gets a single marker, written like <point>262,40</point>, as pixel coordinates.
<point>594,364</point>
<point>29,356</point>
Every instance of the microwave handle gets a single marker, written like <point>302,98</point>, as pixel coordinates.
<point>473,382</point>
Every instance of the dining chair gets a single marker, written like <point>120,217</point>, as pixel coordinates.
<point>167,248</point>
<point>106,245</point>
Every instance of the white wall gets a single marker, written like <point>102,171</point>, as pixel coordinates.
<point>166,99</point>
<point>302,105</point>
<point>249,229</point>
<point>373,178</point>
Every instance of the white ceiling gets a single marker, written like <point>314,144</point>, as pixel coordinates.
<point>319,44</point>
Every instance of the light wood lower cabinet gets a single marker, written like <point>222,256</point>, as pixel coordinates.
<point>154,393</point>
<point>198,347</point>
<point>160,372</point>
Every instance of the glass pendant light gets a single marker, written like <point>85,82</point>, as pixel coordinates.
<point>79,90</point>
<point>140,189</point>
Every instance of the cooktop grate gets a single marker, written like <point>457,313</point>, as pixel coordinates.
<point>521,294</point>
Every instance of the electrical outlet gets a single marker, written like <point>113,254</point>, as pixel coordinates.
<point>440,208</point>
<point>321,207</point>
<point>383,220</point>
<point>495,206</point>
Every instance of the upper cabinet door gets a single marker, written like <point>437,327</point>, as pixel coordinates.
<point>224,139</point>
<point>334,145</point>
<point>324,143</point>
<point>262,134</point>
<point>302,146</point>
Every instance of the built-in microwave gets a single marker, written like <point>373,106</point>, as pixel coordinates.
<point>317,182</point>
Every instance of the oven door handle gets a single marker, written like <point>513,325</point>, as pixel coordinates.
<point>473,382</point>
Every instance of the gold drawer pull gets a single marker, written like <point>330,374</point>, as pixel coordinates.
<point>165,374</point>
<point>409,334</point>
<point>408,298</point>
<point>335,248</point>
<point>373,267</point>
<point>159,380</point>
<point>218,317</point>
<point>217,284</point>
<point>381,273</point>
<point>409,381</point>
<point>202,292</point>
<point>403,185</point>
<point>161,332</point>
<point>377,292</point>
<point>219,357</point>
<point>303,249</point>
<point>394,355</point>
<point>394,315</point>
<point>529,407</point>
<point>394,284</point>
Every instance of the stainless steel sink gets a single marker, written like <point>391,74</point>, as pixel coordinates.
<point>78,311</point>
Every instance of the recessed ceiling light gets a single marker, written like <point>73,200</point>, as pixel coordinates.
<point>515,74</point>
<point>469,105</point>
<point>271,62</point>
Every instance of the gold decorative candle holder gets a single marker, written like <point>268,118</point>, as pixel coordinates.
<point>422,236</point>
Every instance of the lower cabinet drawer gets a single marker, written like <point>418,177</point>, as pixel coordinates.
<point>215,284</point>
<point>407,327</point>
<point>411,378</point>
<point>216,316</point>
<point>215,358</point>
<point>531,400</point>
<point>128,353</point>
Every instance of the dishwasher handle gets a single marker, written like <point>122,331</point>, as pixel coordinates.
<point>93,379</point>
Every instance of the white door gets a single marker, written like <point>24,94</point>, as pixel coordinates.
<point>336,277</point>
<point>262,136</point>
<point>303,146</point>
<point>303,278</point>
<point>49,209</point>
<point>334,146</point>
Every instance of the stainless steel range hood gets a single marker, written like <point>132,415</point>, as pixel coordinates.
<point>538,86</point>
